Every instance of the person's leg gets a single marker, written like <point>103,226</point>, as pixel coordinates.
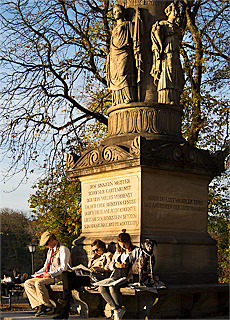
<point>64,313</point>
<point>31,293</point>
<point>67,284</point>
<point>42,291</point>
<point>116,296</point>
<point>72,281</point>
<point>105,292</point>
<point>4,289</point>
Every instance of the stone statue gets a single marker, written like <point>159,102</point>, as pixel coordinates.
<point>121,69</point>
<point>166,69</point>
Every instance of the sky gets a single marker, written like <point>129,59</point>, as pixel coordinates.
<point>17,199</point>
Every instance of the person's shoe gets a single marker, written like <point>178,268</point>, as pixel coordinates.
<point>115,315</point>
<point>63,302</point>
<point>43,310</point>
<point>49,310</point>
<point>64,313</point>
<point>121,312</point>
<point>40,310</point>
<point>62,316</point>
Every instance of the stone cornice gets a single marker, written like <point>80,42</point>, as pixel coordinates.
<point>170,156</point>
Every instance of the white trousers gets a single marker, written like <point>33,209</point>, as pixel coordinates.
<point>37,292</point>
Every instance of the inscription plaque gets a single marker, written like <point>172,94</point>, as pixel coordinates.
<point>173,203</point>
<point>111,202</point>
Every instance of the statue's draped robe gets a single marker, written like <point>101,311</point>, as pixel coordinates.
<point>120,66</point>
<point>166,60</point>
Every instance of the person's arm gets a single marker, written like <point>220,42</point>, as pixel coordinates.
<point>111,266</point>
<point>135,254</point>
<point>40,271</point>
<point>109,260</point>
<point>104,262</point>
<point>64,259</point>
<point>90,263</point>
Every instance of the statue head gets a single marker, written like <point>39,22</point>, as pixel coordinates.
<point>170,8</point>
<point>118,11</point>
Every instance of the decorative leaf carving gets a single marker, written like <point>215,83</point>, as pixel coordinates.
<point>145,120</point>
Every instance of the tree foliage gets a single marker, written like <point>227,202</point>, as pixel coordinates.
<point>17,231</point>
<point>205,52</point>
<point>56,204</point>
<point>218,222</point>
<point>54,90</point>
<point>53,84</point>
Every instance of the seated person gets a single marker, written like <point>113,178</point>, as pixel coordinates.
<point>6,279</point>
<point>17,275</point>
<point>6,285</point>
<point>125,255</point>
<point>24,277</point>
<point>57,260</point>
<point>99,265</point>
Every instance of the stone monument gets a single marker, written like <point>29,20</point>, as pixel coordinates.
<point>144,176</point>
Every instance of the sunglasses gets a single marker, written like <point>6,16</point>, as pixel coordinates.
<point>95,250</point>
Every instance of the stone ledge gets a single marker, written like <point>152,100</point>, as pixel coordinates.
<point>177,301</point>
<point>217,287</point>
<point>145,105</point>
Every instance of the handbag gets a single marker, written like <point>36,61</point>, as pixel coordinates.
<point>121,272</point>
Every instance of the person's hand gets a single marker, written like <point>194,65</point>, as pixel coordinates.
<point>94,269</point>
<point>121,265</point>
<point>46,275</point>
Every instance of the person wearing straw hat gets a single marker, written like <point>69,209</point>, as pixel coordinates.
<point>57,260</point>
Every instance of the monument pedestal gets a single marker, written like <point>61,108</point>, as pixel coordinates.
<point>153,192</point>
<point>145,177</point>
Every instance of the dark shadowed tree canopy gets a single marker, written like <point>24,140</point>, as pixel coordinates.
<point>17,231</point>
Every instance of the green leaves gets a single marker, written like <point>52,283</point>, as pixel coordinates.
<point>218,223</point>
<point>56,203</point>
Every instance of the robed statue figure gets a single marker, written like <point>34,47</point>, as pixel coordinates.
<point>123,61</point>
<point>166,69</point>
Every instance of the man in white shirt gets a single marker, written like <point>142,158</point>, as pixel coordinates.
<point>6,279</point>
<point>57,260</point>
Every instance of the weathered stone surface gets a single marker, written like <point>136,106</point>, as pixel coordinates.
<point>151,121</point>
<point>166,69</point>
<point>149,12</point>
<point>120,63</point>
<point>169,207</point>
<point>177,301</point>
<point>140,151</point>
<point>144,176</point>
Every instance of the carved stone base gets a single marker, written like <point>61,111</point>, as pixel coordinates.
<point>153,121</point>
<point>158,192</point>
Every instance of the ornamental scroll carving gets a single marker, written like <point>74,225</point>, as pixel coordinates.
<point>181,155</point>
<point>98,156</point>
<point>145,120</point>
